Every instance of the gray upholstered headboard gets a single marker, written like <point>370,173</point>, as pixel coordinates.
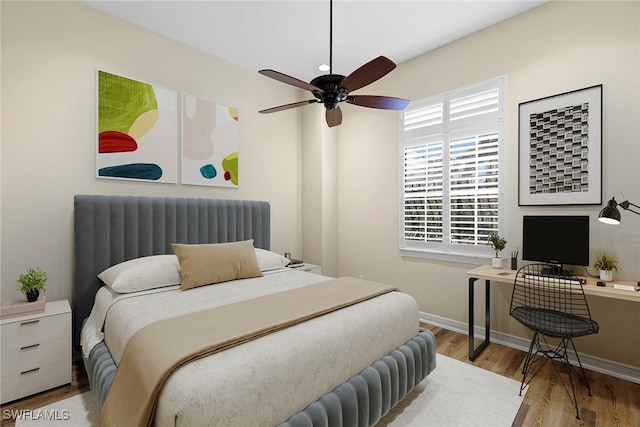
<point>112,229</point>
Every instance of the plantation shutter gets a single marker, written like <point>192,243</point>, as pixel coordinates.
<point>451,169</point>
<point>423,183</point>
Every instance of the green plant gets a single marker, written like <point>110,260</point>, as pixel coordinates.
<point>33,280</point>
<point>606,262</point>
<point>497,243</point>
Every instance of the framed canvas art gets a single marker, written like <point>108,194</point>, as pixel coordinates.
<point>209,143</point>
<point>137,136</point>
<point>560,149</point>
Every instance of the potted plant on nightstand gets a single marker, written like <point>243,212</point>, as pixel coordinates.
<point>607,264</point>
<point>497,243</point>
<point>31,283</point>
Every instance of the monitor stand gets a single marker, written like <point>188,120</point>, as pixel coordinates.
<point>556,270</point>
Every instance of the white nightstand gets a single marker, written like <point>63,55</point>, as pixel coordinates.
<point>310,268</point>
<point>36,351</point>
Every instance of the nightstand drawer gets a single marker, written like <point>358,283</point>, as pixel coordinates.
<point>23,333</point>
<point>36,351</point>
<point>39,379</point>
<point>35,356</point>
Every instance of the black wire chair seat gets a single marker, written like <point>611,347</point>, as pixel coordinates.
<point>552,304</point>
<point>555,323</point>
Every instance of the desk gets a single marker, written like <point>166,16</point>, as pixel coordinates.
<point>504,275</point>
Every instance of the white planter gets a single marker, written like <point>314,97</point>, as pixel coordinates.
<point>496,262</point>
<point>606,275</point>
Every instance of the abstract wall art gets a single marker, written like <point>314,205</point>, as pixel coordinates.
<point>137,130</point>
<point>209,143</point>
<point>560,149</point>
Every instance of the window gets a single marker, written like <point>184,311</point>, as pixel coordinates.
<point>451,151</point>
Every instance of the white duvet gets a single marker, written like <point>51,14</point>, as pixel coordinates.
<point>265,381</point>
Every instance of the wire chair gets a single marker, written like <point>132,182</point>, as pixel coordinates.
<point>551,302</point>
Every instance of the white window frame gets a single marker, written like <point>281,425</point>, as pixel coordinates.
<point>442,128</point>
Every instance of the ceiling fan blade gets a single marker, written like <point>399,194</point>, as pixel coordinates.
<point>382,102</point>
<point>290,80</point>
<point>368,73</point>
<point>288,106</point>
<point>334,117</point>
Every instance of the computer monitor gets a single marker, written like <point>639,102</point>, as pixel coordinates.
<point>556,240</point>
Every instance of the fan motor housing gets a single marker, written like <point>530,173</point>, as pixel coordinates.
<point>332,93</point>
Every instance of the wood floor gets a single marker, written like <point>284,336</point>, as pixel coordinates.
<point>614,402</point>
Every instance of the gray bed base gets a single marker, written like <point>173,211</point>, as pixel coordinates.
<point>367,397</point>
<point>112,229</point>
<point>100,369</point>
<point>360,402</point>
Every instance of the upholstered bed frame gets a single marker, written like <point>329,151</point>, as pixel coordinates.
<point>112,229</point>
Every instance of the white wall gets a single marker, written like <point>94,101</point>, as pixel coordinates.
<point>558,47</point>
<point>50,53</point>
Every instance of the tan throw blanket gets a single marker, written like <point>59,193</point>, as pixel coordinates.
<point>158,349</point>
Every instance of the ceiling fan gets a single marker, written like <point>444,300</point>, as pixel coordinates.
<point>332,89</point>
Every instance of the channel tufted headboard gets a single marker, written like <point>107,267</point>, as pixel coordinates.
<point>112,229</point>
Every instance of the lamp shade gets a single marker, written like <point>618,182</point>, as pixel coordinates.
<point>610,213</point>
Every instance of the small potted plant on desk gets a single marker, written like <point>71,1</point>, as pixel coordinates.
<point>31,283</point>
<point>607,264</point>
<point>497,243</point>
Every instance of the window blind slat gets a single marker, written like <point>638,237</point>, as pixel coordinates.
<point>475,105</point>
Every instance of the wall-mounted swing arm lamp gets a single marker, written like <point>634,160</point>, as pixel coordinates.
<point>610,213</point>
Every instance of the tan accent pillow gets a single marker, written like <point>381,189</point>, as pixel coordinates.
<point>217,262</point>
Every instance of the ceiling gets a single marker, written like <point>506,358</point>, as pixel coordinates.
<point>292,36</point>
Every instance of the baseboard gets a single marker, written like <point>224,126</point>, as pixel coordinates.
<point>604,366</point>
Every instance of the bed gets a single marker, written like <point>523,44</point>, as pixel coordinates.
<point>345,367</point>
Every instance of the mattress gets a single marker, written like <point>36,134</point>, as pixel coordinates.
<point>275,376</point>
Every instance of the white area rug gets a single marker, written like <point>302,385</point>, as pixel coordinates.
<point>455,394</point>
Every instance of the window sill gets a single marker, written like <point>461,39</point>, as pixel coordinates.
<point>459,257</point>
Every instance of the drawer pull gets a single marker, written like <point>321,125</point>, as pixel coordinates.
<point>30,370</point>
<point>29,322</point>
<point>29,346</point>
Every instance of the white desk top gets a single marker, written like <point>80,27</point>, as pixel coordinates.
<point>590,288</point>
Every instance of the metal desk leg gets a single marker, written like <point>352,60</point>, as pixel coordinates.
<point>473,353</point>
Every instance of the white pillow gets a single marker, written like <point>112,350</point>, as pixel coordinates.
<point>144,273</point>
<point>268,260</point>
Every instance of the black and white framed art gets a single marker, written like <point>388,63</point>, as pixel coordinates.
<point>560,149</point>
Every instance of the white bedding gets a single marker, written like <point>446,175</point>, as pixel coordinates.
<point>262,382</point>
<point>130,317</point>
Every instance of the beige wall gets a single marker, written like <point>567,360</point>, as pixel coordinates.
<point>558,47</point>
<point>50,53</point>
<point>320,194</point>
<point>334,199</point>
